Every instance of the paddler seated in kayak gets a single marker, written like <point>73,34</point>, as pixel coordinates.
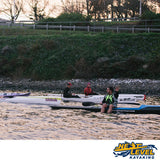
<point>110,100</point>
<point>67,93</point>
<point>88,90</point>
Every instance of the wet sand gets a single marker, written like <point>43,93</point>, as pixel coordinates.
<point>33,122</point>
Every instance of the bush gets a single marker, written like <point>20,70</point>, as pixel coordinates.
<point>68,18</point>
<point>47,20</point>
<point>151,18</point>
<point>81,55</point>
<point>149,15</point>
<point>154,67</point>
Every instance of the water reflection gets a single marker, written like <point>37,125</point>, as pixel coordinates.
<point>20,121</point>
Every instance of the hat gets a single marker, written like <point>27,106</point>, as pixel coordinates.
<point>69,83</point>
<point>89,83</point>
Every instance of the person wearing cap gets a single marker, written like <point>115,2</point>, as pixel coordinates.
<point>110,100</point>
<point>88,90</point>
<point>67,92</point>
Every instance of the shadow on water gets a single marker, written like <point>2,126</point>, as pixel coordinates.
<point>130,123</point>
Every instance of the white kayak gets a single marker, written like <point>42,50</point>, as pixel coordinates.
<point>35,100</point>
<point>56,99</point>
<point>123,98</point>
<point>11,95</point>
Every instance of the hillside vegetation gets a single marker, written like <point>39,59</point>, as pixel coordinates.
<point>39,55</point>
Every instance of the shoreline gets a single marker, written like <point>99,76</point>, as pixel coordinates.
<point>135,86</point>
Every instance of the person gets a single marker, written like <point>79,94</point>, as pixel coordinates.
<point>88,90</point>
<point>110,100</point>
<point>67,93</point>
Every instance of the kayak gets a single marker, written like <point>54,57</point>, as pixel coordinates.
<point>35,100</point>
<point>99,98</point>
<point>127,98</point>
<point>55,103</point>
<point>143,109</point>
<point>57,99</point>
<point>11,95</point>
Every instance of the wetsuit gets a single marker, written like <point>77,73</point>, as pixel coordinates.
<point>67,93</point>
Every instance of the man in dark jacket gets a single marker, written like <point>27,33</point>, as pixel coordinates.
<point>67,92</point>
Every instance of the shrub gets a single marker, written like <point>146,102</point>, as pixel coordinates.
<point>151,18</point>
<point>154,67</point>
<point>67,19</point>
<point>48,20</point>
<point>48,44</point>
<point>22,49</point>
<point>83,69</point>
<point>149,15</point>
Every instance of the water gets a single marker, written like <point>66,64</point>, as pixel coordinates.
<point>33,122</point>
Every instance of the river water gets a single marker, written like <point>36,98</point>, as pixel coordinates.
<point>33,122</point>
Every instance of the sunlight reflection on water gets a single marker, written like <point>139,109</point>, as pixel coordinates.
<point>20,121</point>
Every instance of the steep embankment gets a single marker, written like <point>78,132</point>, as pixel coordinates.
<point>66,55</point>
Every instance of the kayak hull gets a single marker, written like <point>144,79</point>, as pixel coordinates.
<point>128,98</point>
<point>34,100</point>
<point>49,100</point>
<point>143,109</point>
<point>11,95</point>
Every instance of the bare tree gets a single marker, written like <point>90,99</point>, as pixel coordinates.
<point>155,4</point>
<point>76,6</point>
<point>39,9</point>
<point>11,9</point>
<point>99,9</point>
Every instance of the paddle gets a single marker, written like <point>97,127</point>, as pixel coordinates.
<point>92,103</point>
<point>8,96</point>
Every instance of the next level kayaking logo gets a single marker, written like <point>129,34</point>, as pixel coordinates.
<point>135,150</point>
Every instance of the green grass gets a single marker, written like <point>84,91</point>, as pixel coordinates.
<point>114,23</point>
<point>42,55</point>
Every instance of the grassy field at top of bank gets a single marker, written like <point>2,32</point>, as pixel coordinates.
<point>45,55</point>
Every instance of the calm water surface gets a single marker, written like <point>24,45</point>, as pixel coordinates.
<point>24,122</point>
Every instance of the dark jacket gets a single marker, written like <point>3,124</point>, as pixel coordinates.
<point>67,93</point>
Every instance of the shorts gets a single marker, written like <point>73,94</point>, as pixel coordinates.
<point>114,105</point>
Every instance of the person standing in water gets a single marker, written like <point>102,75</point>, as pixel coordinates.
<point>110,100</point>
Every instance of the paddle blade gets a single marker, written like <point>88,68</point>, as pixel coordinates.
<point>88,103</point>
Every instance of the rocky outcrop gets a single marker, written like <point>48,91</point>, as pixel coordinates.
<point>140,86</point>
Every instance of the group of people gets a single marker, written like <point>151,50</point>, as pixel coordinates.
<point>110,99</point>
<point>87,91</point>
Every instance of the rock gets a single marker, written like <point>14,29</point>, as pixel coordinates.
<point>139,86</point>
<point>6,50</point>
<point>145,66</point>
<point>102,59</point>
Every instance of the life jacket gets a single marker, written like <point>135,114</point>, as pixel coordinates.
<point>87,90</point>
<point>109,99</point>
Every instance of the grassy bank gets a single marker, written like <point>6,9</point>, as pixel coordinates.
<point>42,55</point>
